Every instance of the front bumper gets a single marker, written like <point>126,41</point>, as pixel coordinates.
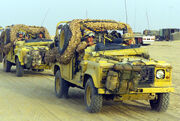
<point>141,90</point>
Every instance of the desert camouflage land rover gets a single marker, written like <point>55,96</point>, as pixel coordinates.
<point>25,47</point>
<point>100,56</point>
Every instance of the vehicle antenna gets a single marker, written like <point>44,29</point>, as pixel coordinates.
<point>45,17</point>
<point>147,20</point>
<point>135,16</point>
<point>126,11</point>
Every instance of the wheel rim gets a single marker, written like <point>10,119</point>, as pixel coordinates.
<point>88,96</point>
<point>62,40</point>
<point>57,85</point>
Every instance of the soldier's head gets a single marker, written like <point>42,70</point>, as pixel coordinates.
<point>90,38</point>
<point>20,34</point>
<point>40,35</point>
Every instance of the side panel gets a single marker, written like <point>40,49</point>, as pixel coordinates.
<point>66,71</point>
<point>94,70</point>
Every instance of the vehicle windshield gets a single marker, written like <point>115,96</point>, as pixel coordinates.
<point>38,40</point>
<point>36,37</point>
<point>108,36</point>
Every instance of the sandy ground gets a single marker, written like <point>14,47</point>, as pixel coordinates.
<point>32,97</point>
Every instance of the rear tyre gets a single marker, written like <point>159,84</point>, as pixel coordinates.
<point>61,86</point>
<point>93,100</point>
<point>161,103</point>
<point>7,65</point>
<point>19,69</point>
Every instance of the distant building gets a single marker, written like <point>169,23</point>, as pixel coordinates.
<point>175,36</point>
<point>165,34</point>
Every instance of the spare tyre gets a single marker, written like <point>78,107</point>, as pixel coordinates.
<point>65,36</point>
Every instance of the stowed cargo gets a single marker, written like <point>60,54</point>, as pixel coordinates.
<point>25,46</point>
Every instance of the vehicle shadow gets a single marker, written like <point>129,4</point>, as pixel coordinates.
<point>30,73</point>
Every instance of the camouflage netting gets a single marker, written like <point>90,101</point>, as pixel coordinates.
<point>109,25</point>
<point>14,29</point>
<point>50,56</point>
<point>81,47</point>
<point>27,29</point>
<point>75,41</point>
<point>7,48</point>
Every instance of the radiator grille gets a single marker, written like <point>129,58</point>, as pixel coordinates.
<point>147,75</point>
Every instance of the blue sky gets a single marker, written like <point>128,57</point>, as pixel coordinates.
<point>161,13</point>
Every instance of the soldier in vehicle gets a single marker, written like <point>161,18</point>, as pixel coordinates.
<point>41,35</point>
<point>20,36</point>
<point>88,41</point>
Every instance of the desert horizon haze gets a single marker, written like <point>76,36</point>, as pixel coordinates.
<point>161,14</point>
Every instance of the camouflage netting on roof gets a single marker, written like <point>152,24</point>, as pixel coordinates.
<point>77,25</point>
<point>105,24</point>
<point>27,29</point>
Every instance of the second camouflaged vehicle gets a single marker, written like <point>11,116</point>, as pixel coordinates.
<point>25,47</point>
<point>100,56</point>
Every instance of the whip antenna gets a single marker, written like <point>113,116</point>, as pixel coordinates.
<point>147,19</point>
<point>45,17</point>
<point>126,11</point>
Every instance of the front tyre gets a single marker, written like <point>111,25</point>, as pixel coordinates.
<point>93,100</point>
<point>7,65</point>
<point>19,69</point>
<point>161,103</point>
<point>61,86</point>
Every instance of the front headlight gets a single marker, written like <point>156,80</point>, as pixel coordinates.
<point>160,74</point>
